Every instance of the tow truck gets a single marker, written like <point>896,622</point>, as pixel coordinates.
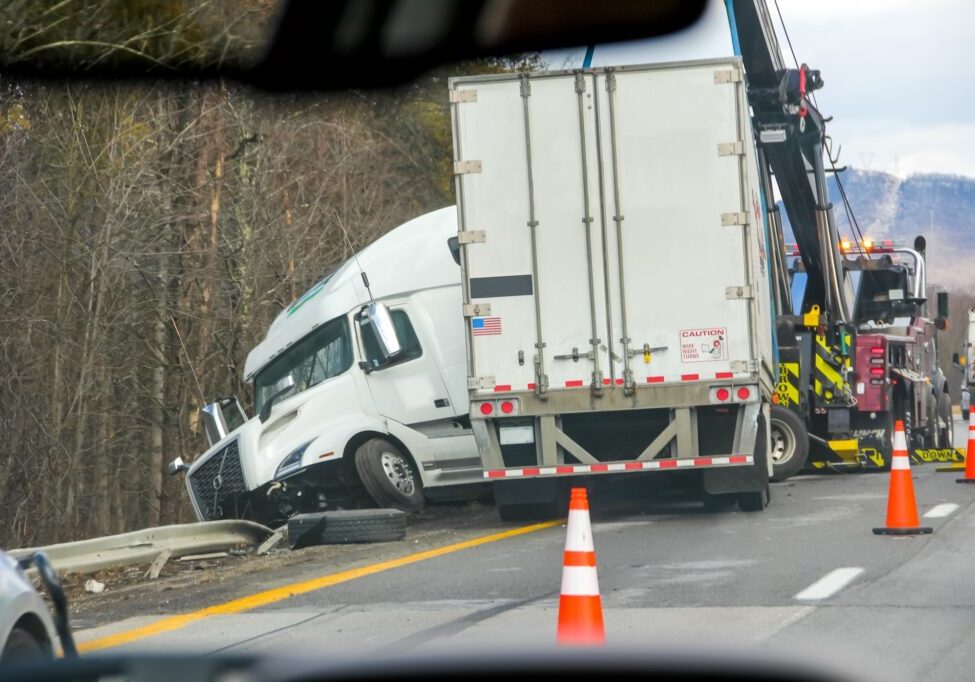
<point>857,347</point>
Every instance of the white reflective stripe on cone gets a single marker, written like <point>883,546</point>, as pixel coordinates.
<point>900,442</point>
<point>580,581</point>
<point>899,463</point>
<point>578,532</point>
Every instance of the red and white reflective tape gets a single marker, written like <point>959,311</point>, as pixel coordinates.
<point>899,460</point>
<point>579,561</point>
<point>616,467</point>
<point>659,379</point>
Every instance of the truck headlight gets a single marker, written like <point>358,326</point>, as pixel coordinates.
<point>292,462</point>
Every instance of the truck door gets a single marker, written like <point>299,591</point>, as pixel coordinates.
<point>408,389</point>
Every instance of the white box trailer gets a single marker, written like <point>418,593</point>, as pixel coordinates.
<point>614,276</point>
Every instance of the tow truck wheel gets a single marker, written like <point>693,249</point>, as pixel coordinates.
<point>790,443</point>
<point>946,421</point>
<point>389,476</point>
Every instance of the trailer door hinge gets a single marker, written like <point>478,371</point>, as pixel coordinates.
<point>478,383</point>
<point>735,293</point>
<point>471,237</point>
<point>477,309</point>
<point>461,167</point>
<point>732,76</point>
<point>731,149</point>
<point>734,219</point>
<point>459,96</point>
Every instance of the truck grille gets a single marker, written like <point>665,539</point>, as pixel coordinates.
<point>218,478</point>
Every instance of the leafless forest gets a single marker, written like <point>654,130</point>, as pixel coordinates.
<point>133,210</point>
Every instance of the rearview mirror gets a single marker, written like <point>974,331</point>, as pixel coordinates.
<point>382,324</point>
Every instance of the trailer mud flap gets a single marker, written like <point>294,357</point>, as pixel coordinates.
<point>750,479</point>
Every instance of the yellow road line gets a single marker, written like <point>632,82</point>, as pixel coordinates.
<point>253,601</point>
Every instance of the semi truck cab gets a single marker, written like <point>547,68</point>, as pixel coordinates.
<point>359,392</point>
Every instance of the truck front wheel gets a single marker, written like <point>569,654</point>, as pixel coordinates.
<point>790,443</point>
<point>389,476</point>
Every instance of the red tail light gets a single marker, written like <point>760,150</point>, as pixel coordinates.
<point>722,394</point>
<point>877,350</point>
<point>507,407</point>
<point>744,393</point>
<point>487,408</point>
<point>877,371</point>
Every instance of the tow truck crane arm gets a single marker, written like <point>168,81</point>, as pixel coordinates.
<point>791,131</point>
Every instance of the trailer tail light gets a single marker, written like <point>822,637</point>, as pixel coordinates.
<point>743,394</point>
<point>876,350</point>
<point>720,394</point>
<point>487,409</point>
<point>508,407</point>
<point>877,371</point>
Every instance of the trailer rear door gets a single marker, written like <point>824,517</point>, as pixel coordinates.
<point>613,206</point>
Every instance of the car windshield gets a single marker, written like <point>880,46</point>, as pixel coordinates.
<point>323,354</point>
<point>623,406</point>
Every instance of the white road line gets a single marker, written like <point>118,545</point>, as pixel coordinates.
<point>941,511</point>
<point>830,584</point>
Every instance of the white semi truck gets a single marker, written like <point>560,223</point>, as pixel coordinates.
<point>600,337</point>
<point>360,389</point>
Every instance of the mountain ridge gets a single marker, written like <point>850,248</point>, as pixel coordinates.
<point>940,206</point>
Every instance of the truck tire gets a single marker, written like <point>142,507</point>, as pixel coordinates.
<point>790,443</point>
<point>946,417</point>
<point>22,647</point>
<point>347,526</point>
<point>932,430</point>
<point>720,502</point>
<point>758,501</point>
<point>389,476</point>
<point>754,502</point>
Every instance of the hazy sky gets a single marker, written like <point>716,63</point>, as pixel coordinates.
<point>900,77</point>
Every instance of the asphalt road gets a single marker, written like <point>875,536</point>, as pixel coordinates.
<point>807,576</point>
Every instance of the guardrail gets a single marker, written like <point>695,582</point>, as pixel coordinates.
<point>149,545</point>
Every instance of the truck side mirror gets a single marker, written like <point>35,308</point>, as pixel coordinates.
<point>943,304</point>
<point>382,324</point>
<point>177,466</point>
<point>221,417</point>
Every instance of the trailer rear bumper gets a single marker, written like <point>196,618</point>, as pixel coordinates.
<point>621,467</point>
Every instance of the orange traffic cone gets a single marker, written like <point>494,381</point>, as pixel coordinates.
<point>901,505</point>
<point>970,455</point>
<point>580,608</point>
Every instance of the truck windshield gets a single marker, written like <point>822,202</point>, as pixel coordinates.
<point>883,295</point>
<point>323,354</point>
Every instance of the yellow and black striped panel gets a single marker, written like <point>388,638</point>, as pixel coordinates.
<point>787,389</point>
<point>828,380</point>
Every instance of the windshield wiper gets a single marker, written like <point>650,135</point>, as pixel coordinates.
<point>269,403</point>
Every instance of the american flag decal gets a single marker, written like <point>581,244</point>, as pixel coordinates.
<point>486,326</point>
